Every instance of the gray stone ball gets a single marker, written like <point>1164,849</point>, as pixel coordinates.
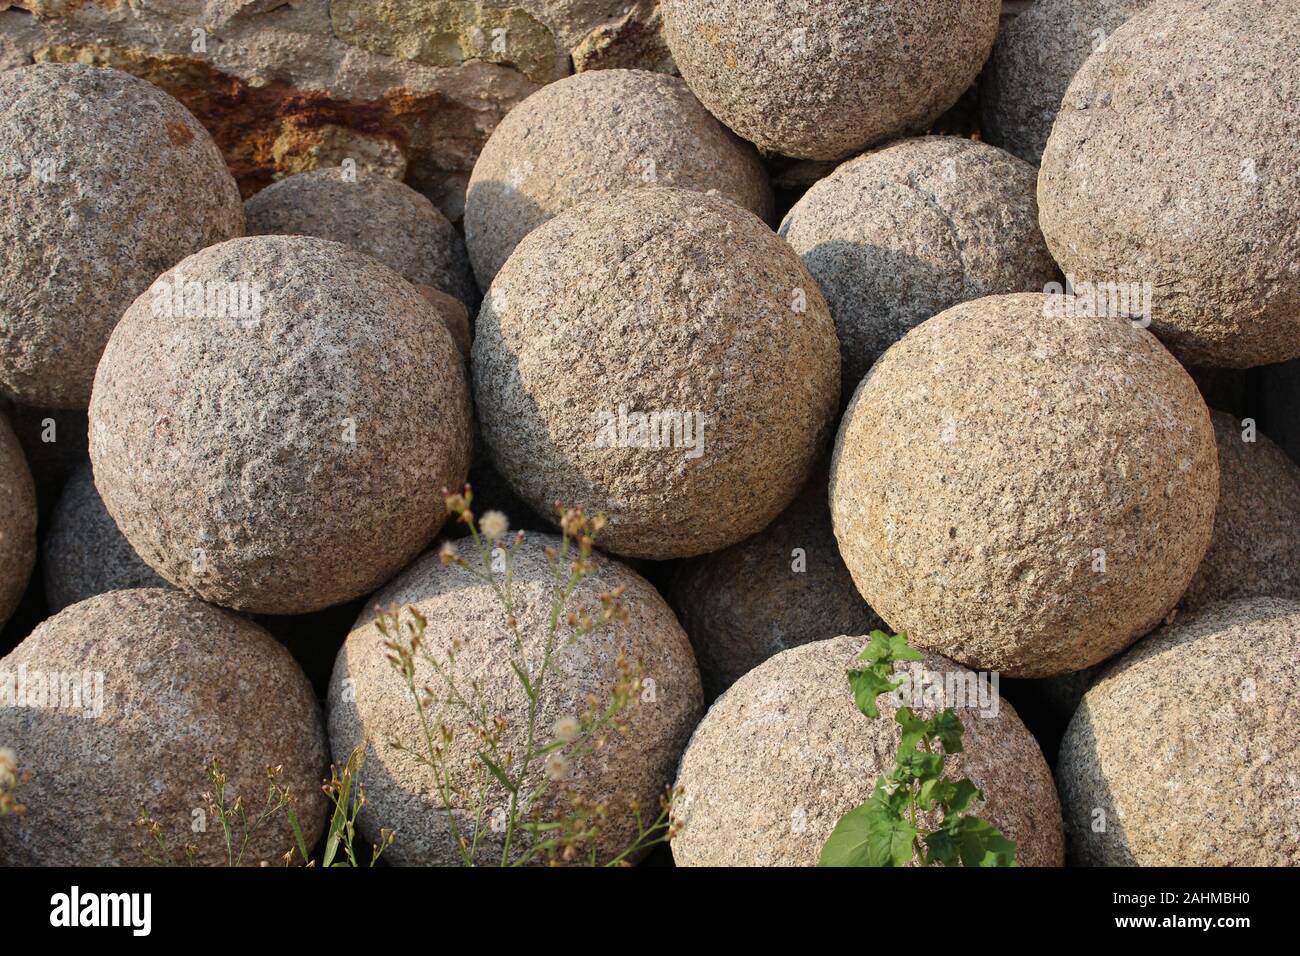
<point>784,753</point>
<point>378,215</point>
<point>777,589</point>
<point>822,80</point>
<point>664,303</point>
<point>1174,163</point>
<point>1255,550</point>
<point>1024,491</point>
<point>173,684</point>
<point>84,553</point>
<point>289,456</point>
<point>591,136</point>
<point>17,522</point>
<point>368,699</point>
<point>1184,752</point>
<point>1036,55</point>
<point>902,233</point>
<point>108,182</point>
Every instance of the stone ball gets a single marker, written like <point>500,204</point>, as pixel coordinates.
<point>821,80</point>
<point>368,699</point>
<point>784,753</point>
<point>84,553</point>
<point>806,592</point>
<point>288,454</point>
<point>1184,750</point>
<point>592,136</point>
<point>1202,217</point>
<point>17,522</point>
<point>1255,550</point>
<point>152,687</point>
<point>109,182</point>
<point>1024,489</point>
<point>380,216</point>
<point>1035,57</point>
<point>665,359</point>
<point>896,236</point>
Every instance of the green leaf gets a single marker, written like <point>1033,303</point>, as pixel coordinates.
<point>947,727</point>
<point>870,835</point>
<point>941,848</point>
<point>915,729</point>
<point>496,771</point>
<point>900,650</point>
<point>920,765</point>
<point>980,843</point>
<point>867,686</point>
<point>964,794</point>
<point>877,649</point>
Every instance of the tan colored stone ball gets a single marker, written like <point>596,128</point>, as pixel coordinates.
<point>1022,488</point>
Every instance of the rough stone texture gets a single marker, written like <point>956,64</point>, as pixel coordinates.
<point>1255,551</point>
<point>785,753</point>
<point>453,314</point>
<point>107,182</point>
<point>294,461</point>
<point>54,441</point>
<point>404,87</point>
<point>184,684</point>
<point>670,303</point>
<point>377,215</point>
<point>17,521</point>
<point>1185,748</point>
<point>780,588</point>
<point>898,235</point>
<point>1028,441</point>
<point>1206,209</point>
<point>367,699</point>
<point>84,553</point>
<point>822,80</point>
<point>1034,59</point>
<point>590,137</point>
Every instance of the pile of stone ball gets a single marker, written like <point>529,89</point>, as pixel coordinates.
<point>881,411</point>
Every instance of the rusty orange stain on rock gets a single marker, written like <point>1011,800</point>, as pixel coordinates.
<point>179,134</point>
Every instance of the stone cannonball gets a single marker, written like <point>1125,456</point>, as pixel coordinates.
<point>378,215</point>
<point>368,700</point>
<point>665,359</point>
<point>1022,488</point>
<point>900,234</point>
<point>784,753</point>
<point>1034,59</point>
<point>1255,551</point>
<point>84,553</point>
<point>591,136</point>
<point>108,183</point>
<point>780,588</point>
<point>276,439</point>
<point>1173,170</point>
<point>17,522</point>
<point>823,79</point>
<point>1184,752</point>
<point>124,701</point>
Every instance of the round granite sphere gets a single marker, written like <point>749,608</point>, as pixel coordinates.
<point>84,553</point>
<point>1022,488</point>
<point>466,634</point>
<point>1184,753</point>
<point>1255,551</point>
<point>664,359</point>
<point>108,182</point>
<point>1174,165</point>
<point>17,521</point>
<point>900,234</point>
<point>823,79</point>
<point>127,699</point>
<point>378,215</point>
<point>780,588</point>
<point>1034,59</point>
<point>591,136</point>
<point>278,441</point>
<point>783,754</point>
